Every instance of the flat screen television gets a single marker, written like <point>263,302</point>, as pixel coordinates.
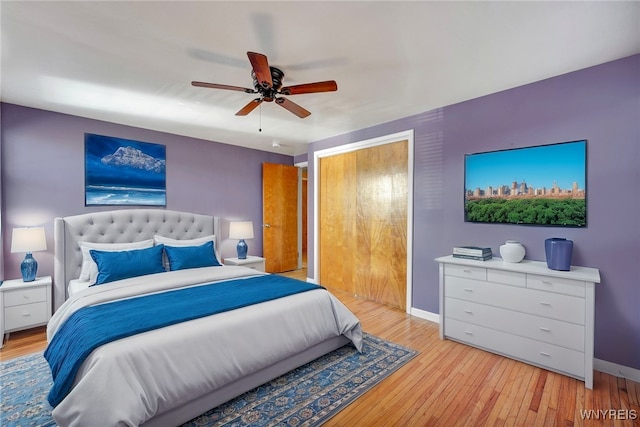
<point>543,185</point>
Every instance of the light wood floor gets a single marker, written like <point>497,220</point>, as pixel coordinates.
<point>450,384</point>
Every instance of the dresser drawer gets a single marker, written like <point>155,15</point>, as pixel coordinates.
<point>21,316</point>
<point>25,296</point>
<point>507,277</point>
<point>557,285</point>
<point>552,331</point>
<point>465,271</point>
<point>547,304</point>
<point>538,353</point>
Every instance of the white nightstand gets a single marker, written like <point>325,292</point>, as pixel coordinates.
<point>24,305</point>
<point>255,262</point>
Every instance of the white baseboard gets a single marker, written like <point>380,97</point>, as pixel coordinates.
<point>616,370</point>
<point>423,314</point>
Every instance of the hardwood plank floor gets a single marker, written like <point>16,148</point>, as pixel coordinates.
<point>450,384</point>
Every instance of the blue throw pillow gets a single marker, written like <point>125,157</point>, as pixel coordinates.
<point>181,257</point>
<point>119,265</point>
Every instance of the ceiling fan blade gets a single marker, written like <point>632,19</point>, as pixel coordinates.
<point>293,107</point>
<point>261,69</point>
<point>249,107</point>
<point>227,87</point>
<point>328,86</point>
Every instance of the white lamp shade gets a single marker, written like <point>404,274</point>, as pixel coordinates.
<point>241,230</point>
<point>28,239</point>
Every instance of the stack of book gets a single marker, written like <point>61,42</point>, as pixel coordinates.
<point>472,252</point>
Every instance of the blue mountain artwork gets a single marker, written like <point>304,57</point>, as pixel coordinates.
<point>123,172</point>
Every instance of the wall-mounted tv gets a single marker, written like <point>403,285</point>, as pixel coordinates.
<point>543,185</point>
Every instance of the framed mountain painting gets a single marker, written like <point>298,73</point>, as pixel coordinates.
<point>124,172</point>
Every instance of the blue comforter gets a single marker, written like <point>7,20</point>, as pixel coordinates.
<point>93,326</point>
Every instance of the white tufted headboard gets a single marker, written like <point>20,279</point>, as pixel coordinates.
<point>127,225</point>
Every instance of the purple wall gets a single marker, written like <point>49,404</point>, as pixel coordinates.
<point>600,104</point>
<point>43,177</point>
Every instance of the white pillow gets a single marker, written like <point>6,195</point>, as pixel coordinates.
<point>89,271</point>
<point>168,241</point>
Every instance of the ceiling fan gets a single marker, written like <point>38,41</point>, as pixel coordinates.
<point>267,81</point>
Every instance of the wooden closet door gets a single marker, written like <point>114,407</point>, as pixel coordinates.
<point>381,221</point>
<point>363,222</point>
<point>337,212</point>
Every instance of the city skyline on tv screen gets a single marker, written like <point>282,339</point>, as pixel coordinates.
<point>540,185</point>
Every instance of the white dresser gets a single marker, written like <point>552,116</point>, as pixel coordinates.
<point>523,310</point>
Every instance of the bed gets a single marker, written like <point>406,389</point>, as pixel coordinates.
<point>166,375</point>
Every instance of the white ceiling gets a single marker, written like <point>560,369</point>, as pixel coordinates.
<point>133,62</point>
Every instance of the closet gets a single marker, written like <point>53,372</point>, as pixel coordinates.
<point>362,218</point>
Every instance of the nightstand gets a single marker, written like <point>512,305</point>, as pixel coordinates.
<point>24,305</point>
<point>255,262</point>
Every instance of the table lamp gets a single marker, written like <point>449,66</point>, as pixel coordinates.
<point>241,230</point>
<point>28,239</point>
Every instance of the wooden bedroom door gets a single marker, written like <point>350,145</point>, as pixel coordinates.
<point>280,217</point>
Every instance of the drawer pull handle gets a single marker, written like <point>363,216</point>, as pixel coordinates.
<point>466,270</point>
<point>26,314</point>
<point>468,332</point>
<point>468,311</point>
<point>468,289</point>
<point>542,328</point>
<point>545,282</point>
<point>548,304</point>
<point>25,296</point>
<point>545,354</point>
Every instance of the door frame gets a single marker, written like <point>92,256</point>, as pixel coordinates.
<point>300,166</point>
<point>386,139</point>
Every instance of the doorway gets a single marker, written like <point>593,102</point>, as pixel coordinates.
<point>285,210</point>
<point>303,217</point>
<point>279,217</point>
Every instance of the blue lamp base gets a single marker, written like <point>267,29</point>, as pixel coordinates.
<point>29,268</point>
<point>242,249</point>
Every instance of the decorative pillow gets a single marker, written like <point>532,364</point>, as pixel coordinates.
<point>168,241</point>
<point>119,265</point>
<point>89,270</point>
<point>181,257</point>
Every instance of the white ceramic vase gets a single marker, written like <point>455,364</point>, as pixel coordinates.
<point>512,251</point>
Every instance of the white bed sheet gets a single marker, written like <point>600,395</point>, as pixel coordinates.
<point>77,285</point>
<point>129,381</point>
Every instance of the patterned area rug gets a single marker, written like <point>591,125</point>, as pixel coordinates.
<point>307,396</point>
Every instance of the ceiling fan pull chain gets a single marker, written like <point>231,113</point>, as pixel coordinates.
<point>260,123</point>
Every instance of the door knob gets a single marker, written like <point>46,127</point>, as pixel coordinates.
<point>266,225</point>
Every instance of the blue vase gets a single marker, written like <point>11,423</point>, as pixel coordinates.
<point>558,252</point>
<point>29,268</point>
<point>242,249</point>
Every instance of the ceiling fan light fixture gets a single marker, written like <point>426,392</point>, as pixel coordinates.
<point>267,82</point>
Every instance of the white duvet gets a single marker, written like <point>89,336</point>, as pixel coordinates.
<point>129,381</point>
